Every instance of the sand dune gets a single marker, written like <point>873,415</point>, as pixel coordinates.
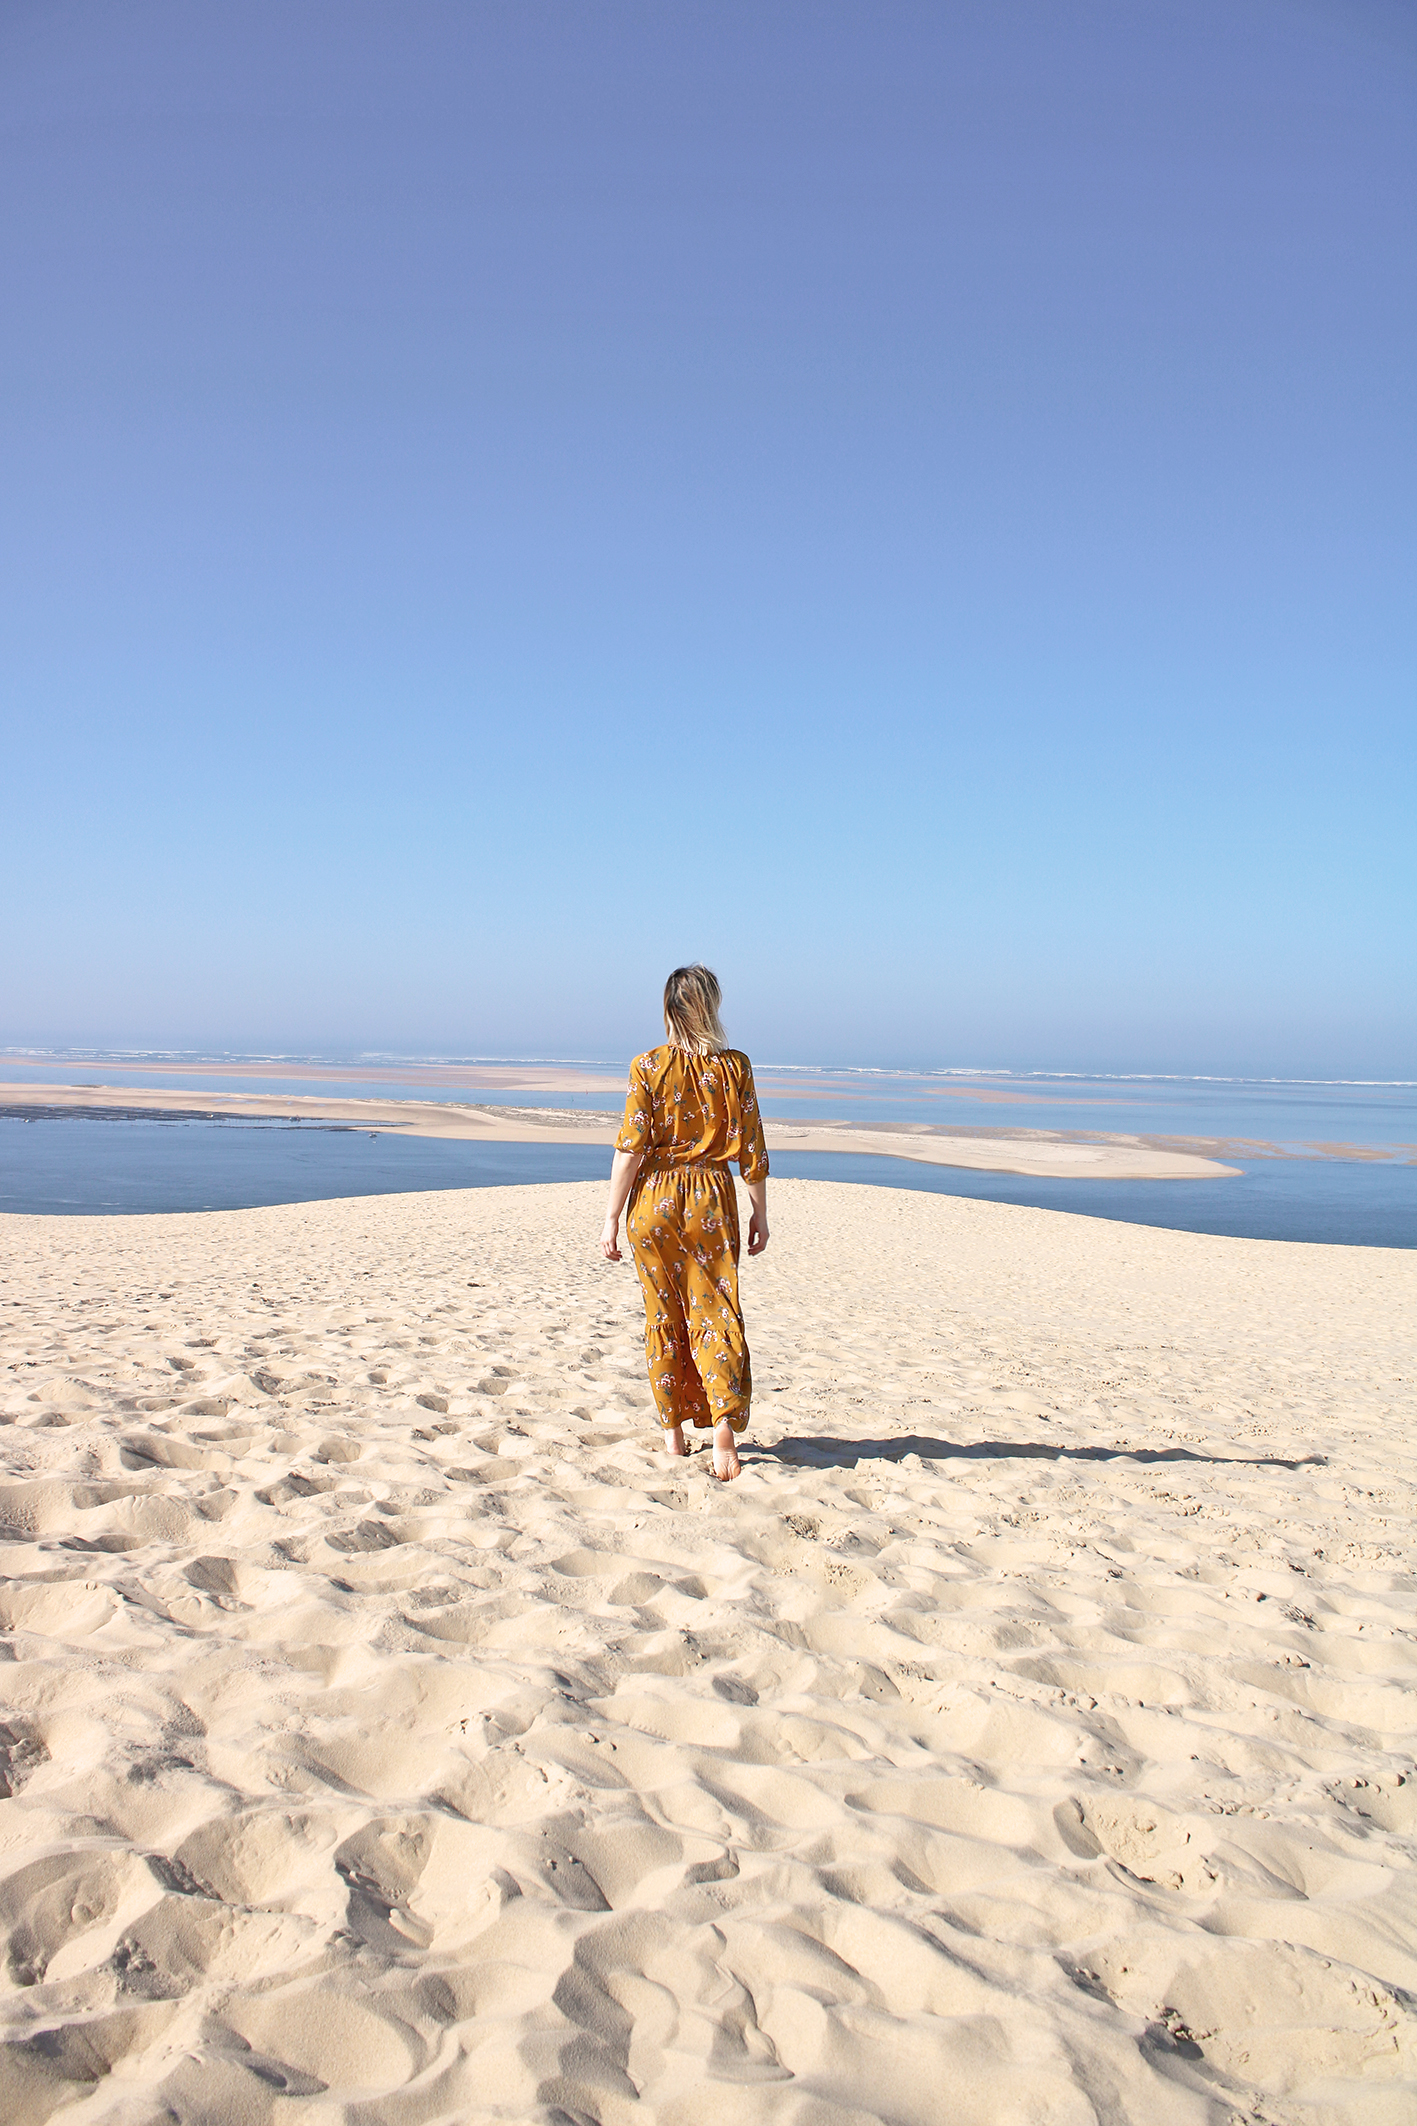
<point>389,1735</point>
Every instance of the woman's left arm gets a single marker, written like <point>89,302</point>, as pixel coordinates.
<point>758,1222</point>
<point>622,1179</point>
<point>753,1162</point>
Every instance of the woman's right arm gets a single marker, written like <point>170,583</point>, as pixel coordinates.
<point>623,1170</point>
<point>630,1148</point>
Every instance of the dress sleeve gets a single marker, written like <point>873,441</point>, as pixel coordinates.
<point>634,1130</point>
<point>752,1145</point>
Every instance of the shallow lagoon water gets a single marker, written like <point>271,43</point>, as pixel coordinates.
<point>1294,1115</point>
<point>75,1165</point>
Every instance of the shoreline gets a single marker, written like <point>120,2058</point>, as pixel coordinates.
<point>1035,1154</point>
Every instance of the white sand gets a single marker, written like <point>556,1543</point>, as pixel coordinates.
<point>1026,1738</point>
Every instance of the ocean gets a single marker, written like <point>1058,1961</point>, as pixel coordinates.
<point>1319,1161</point>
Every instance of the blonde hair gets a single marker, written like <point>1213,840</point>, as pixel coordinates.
<point>691,1000</point>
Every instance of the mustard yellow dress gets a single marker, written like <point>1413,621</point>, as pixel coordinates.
<point>690,1115</point>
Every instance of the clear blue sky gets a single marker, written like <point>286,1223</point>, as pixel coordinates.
<point>913,504</point>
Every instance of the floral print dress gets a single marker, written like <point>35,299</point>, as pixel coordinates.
<point>690,1115</point>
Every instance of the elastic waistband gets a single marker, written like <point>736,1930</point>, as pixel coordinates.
<point>689,1166</point>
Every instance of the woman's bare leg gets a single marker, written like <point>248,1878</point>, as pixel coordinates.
<point>674,1440</point>
<point>726,1464</point>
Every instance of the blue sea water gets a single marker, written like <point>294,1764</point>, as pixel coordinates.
<point>1293,1116</point>
<point>74,1165</point>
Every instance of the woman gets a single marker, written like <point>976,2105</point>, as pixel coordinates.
<point>691,1108</point>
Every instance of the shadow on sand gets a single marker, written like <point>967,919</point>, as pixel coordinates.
<point>823,1451</point>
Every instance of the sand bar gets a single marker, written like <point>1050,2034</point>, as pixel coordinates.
<point>389,1735</point>
<point>1054,1153</point>
<point>493,1077</point>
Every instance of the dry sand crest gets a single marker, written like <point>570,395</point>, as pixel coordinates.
<point>390,1736</point>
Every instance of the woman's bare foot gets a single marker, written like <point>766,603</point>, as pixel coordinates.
<point>726,1464</point>
<point>674,1440</point>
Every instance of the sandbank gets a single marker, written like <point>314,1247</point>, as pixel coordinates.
<point>495,1077</point>
<point>1052,1153</point>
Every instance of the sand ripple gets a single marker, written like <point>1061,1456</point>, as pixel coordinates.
<point>388,1735</point>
